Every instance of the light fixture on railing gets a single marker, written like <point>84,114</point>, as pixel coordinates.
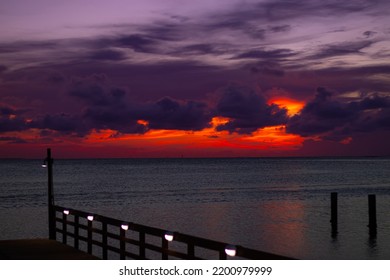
<point>44,164</point>
<point>168,236</point>
<point>90,218</point>
<point>125,226</point>
<point>230,250</point>
<point>66,212</point>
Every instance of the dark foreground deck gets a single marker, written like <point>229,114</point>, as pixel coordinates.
<point>40,249</point>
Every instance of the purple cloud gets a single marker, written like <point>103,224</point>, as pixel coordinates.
<point>12,140</point>
<point>9,120</point>
<point>341,49</point>
<point>3,68</point>
<point>137,42</point>
<point>247,111</point>
<point>268,55</point>
<point>111,108</point>
<point>172,114</point>
<point>65,124</point>
<point>335,120</point>
<point>198,49</point>
<point>108,55</point>
<point>269,69</point>
<point>94,91</point>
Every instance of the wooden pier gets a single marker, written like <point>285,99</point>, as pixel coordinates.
<point>104,237</point>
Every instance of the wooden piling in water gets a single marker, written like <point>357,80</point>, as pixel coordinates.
<point>333,205</point>
<point>372,212</point>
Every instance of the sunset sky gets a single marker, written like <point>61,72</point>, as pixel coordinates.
<point>172,78</point>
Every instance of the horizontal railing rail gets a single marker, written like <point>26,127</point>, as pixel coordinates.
<point>116,236</point>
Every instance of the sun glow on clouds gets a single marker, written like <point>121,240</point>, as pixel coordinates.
<point>274,137</point>
<point>292,106</point>
<point>268,138</point>
<point>210,141</point>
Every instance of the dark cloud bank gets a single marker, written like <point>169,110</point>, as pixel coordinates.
<point>108,107</point>
<point>334,120</point>
<point>247,111</point>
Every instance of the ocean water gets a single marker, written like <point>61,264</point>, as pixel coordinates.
<point>279,205</point>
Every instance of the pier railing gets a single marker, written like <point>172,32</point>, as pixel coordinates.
<point>103,236</point>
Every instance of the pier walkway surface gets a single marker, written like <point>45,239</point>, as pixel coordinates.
<point>40,249</point>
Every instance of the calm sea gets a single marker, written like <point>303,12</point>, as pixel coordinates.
<point>279,205</point>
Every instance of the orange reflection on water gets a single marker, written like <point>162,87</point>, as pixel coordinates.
<point>285,233</point>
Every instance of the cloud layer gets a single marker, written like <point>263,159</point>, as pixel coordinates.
<point>335,120</point>
<point>167,67</point>
<point>247,111</point>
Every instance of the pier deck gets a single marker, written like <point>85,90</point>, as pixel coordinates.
<point>40,249</point>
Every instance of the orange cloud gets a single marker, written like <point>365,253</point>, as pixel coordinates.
<point>292,106</point>
<point>195,142</point>
<point>161,143</point>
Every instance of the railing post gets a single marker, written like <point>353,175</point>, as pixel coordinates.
<point>333,219</point>
<point>89,237</point>
<point>142,254</point>
<point>64,227</point>
<point>191,251</point>
<point>122,244</point>
<point>76,231</point>
<point>164,248</point>
<point>372,213</point>
<point>52,217</point>
<point>104,240</point>
<point>222,255</point>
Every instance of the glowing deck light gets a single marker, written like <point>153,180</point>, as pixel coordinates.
<point>168,236</point>
<point>66,212</point>
<point>125,226</point>
<point>230,250</point>
<point>44,163</point>
<point>90,218</point>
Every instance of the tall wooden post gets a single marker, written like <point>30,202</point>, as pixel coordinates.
<point>52,221</point>
<point>372,213</point>
<point>333,219</point>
